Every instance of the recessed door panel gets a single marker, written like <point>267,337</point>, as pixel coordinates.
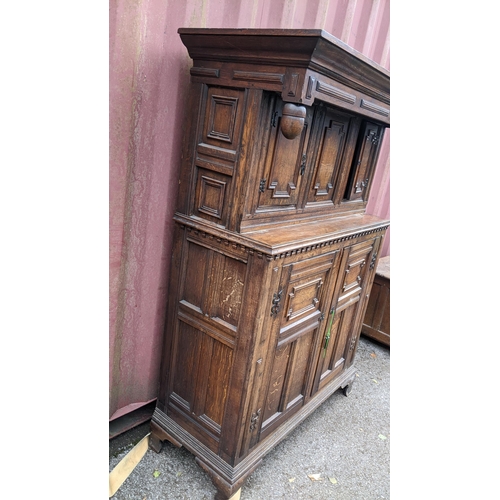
<point>364,162</point>
<point>282,175</point>
<point>306,286</point>
<point>328,156</point>
<point>346,311</point>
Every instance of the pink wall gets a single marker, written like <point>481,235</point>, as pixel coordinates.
<point>149,73</point>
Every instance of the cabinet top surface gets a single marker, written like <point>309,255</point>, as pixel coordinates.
<point>384,267</point>
<point>288,237</point>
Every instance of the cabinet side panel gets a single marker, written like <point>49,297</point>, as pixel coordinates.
<point>207,318</point>
<point>194,284</point>
<point>281,357</point>
<point>217,153</point>
<point>230,290</point>
<point>218,381</point>
<point>188,347</point>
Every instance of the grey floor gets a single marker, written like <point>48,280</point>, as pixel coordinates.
<point>346,442</point>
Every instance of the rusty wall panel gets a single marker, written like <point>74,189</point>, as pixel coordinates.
<point>149,72</point>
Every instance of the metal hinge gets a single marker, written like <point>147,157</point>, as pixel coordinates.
<point>262,185</point>
<point>374,258</point>
<point>353,343</point>
<point>275,308</point>
<point>303,164</point>
<point>254,419</point>
<point>273,119</point>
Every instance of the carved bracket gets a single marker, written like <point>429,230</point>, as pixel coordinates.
<point>293,120</point>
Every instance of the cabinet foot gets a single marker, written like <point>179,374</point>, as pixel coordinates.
<point>158,435</point>
<point>348,387</point>
<point>226,490</point>
<point>220,495</point>
<point>155,443</point>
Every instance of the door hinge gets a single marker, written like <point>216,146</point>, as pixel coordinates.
<point>273,119</point>
<point>303,164</point>
<point>254,419</point>
<point>374,258</point>
<point>262,185</point>
<point>353,343</point>
<point>275,308</point>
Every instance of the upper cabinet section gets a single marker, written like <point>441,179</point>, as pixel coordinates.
<point>284,126</point>
<point>302,65</point>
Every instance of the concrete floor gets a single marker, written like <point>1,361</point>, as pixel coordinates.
<point>346,441</point>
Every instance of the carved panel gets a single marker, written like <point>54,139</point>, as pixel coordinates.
<point>308,282</point>
<point>201,372</point>
<point>352,279</point>
<point>258,76</point>
<point>199,71</point>
<point>334,130</point>
<point>282,162</point>
<point>223,117</point>
<point>211,195</point>
<point>212,291</point>
<point>289,380</point>
<point>332,357</point>
<point>303,298</point>
<point>374,107</point>
<point>364,162</point>
<point>330,90</point>
<point>211,199</point>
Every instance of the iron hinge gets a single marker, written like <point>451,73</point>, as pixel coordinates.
<point>254,419</point>
<point>275,308</point>
<point>303,164</point>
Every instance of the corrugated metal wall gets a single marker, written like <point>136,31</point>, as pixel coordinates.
<point>149,72</point>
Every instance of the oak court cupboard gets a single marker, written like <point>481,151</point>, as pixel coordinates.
<point>273,256</point>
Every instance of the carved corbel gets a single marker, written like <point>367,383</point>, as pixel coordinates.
<point>293,120</point>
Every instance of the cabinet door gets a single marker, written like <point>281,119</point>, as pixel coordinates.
<point>364,162</point>
<point>283,158</point>
<point>304,291</point>
<point>330,153</point>
<point>345,314</point>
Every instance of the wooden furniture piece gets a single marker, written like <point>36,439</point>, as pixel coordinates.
<point>273,256</point>
<point>376,323</point>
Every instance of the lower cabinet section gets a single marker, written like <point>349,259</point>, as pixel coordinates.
<point>256,341</point>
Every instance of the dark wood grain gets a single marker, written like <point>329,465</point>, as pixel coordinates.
<point>274,258</point>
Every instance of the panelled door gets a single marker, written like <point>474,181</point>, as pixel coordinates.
<point>345,313</point>
<point>301,302</point>
<point>364,161</point>
<point>284,162</point>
